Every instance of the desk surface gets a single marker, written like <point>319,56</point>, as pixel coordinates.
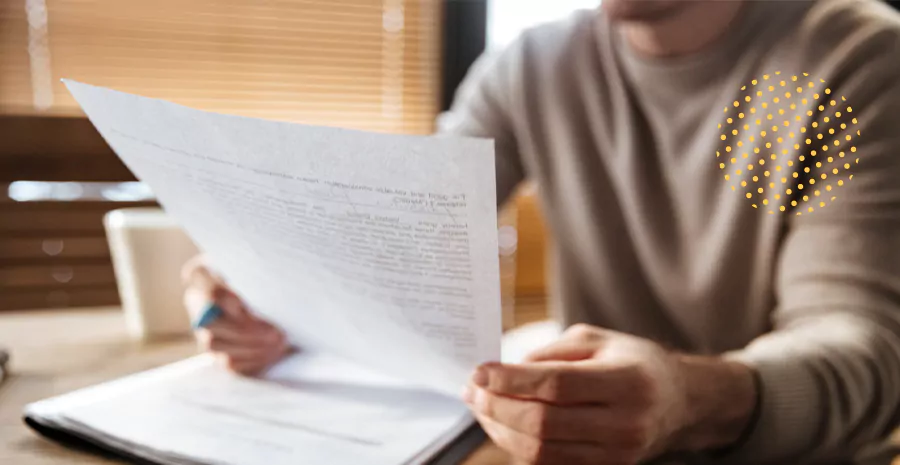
<point>53,352</point>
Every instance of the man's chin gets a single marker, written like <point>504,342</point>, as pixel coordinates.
<point>641,10</point>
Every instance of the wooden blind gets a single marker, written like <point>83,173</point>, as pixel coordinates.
<point>368,64</point>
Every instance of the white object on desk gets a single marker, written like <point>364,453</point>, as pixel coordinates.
<point>148,249</point>
<point>521,341</point>
<point>312,408</point>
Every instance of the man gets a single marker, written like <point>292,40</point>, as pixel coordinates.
<point>701,326</point>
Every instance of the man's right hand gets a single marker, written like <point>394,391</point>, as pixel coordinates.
<point>246,343</point>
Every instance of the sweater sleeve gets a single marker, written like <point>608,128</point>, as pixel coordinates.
<point>830,368</point>
<point>481,109</point>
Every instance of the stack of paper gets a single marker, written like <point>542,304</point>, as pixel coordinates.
<point>310,409</point>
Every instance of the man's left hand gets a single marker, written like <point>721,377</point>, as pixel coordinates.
<point>601,397</point>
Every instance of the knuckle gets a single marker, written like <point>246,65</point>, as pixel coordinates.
<point>542,421</point>
<point>556,385</point>
<point>550,386</point>
<point>581,331</point>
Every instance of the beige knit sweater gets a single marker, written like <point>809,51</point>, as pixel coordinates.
<point>652,239</point>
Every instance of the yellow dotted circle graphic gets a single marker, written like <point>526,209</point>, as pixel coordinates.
<point>797,149</point>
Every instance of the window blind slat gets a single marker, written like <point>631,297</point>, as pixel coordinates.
<point>368,64</point>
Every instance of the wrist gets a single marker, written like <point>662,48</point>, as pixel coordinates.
<point>720,401</point>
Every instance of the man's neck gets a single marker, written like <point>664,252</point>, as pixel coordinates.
<point>691,29</point>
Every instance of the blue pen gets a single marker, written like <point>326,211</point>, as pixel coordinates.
<point>210,313</point>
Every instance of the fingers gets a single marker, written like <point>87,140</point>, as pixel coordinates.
<point>587,423</point>
<point>249,366</point>
<point>554,382</point>
<point>246,344</point>
<point>590,397</point>
<point>241,353</point>
<point>535,451</point>
<point>222,334</point>
<point>559,382</point>
<point>246,347</point>
<point>232,305</point>
<point>537,432</point>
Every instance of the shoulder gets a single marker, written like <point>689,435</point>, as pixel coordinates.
<point>849,34</point>
<point>853,47</point>
<point>844,15</point>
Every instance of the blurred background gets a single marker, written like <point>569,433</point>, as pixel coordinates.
<point>380,65</point>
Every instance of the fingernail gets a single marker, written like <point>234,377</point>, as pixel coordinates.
<point>467,394</point>
<point>480,377</point>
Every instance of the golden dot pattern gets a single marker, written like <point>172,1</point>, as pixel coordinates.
<point>787,143</point>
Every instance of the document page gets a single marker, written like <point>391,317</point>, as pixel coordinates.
<point>380,248</point>
<point>313,408</point>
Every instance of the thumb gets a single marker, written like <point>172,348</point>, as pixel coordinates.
<point>564,350</point>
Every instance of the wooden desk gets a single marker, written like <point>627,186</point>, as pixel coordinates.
<point>53,352</point>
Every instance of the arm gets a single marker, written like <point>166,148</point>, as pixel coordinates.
<point>821,384</point>
<point>830,369</point>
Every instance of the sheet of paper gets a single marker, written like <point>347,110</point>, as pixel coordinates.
<point>381,248</point>
<point>305,412</point>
